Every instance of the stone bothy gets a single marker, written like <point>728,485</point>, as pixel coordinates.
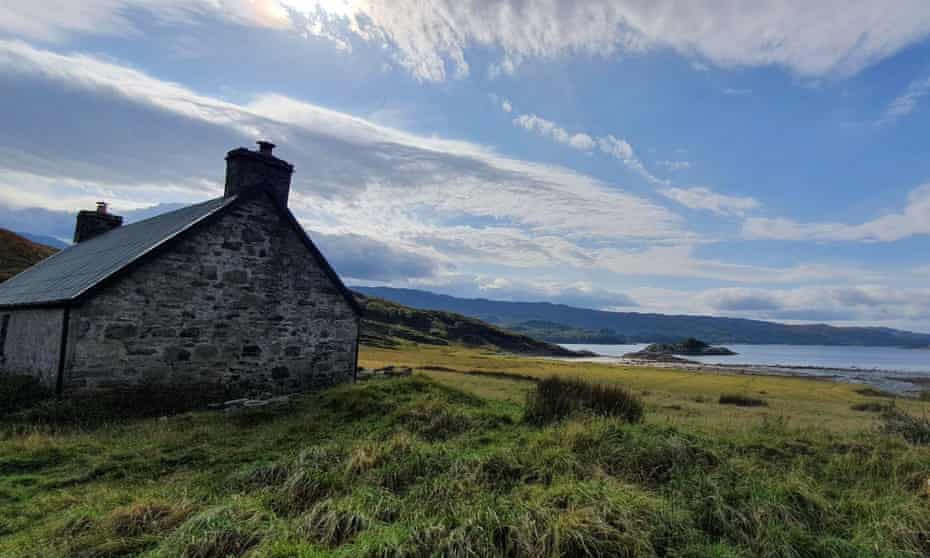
<point>230,293</point>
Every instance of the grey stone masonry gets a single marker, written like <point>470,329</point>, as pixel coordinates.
<point>239,303</point>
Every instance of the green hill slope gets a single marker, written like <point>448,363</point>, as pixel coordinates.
<point>18,253</point>
<point>388,324</point>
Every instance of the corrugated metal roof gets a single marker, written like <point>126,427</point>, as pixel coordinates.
<point>71,272</point>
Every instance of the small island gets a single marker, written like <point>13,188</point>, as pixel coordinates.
<point>667,352</point>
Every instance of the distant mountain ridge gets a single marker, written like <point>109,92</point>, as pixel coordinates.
<point>568,324</point>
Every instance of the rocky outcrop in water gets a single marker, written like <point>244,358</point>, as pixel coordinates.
<point>666,352</point>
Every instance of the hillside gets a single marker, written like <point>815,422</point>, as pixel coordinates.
<point>18,253</point>
<point>560,323</point>
<point>387,324</point>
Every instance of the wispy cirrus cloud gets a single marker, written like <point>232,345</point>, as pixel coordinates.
<point>706,199</point>
<point>617,148</point>
<point>859,303</point>
<point>913,220</point>
<point>547,128</point>
<point>431,39</point>
<point>362,180</point>
<point>906,103</point>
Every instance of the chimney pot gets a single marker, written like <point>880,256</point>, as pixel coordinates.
<point>94,223</point>
<point>265,147</point>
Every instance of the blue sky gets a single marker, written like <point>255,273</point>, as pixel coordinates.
<point>678,157</point>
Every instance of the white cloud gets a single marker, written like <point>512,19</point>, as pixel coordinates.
<point>506,106</point>
<point>905,103</point>
<point>914,220</point>
<point>680,260</point>
<point>707,199</point>
<point>737,92</point>
<point>617,148</point>
<point>547,128</point>
<point>39,20</point>
<point>430,39</point>
<point>353,176</point>
<point>810,38</point>
<point>858,303</point>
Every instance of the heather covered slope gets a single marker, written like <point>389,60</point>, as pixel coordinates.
<point>17,253</point>
<point>388,324</point>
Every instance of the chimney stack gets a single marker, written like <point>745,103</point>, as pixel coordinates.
<point>246,169</point>
<point>94,223</point>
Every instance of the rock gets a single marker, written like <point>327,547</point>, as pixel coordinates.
<point>120,331</point>
<point>688,347</point>
<point>176,354</point>
<point>397,371</point>
<point>236,276</point>
<point>235,402</point>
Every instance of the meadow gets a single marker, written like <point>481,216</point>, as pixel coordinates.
<point>449,462</point>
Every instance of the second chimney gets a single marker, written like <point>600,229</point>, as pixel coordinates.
<point>94,223</point>
<point>246,169</point>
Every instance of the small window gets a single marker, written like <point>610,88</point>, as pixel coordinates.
<point>4,326</point>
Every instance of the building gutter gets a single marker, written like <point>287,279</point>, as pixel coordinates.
<point>63,351</point>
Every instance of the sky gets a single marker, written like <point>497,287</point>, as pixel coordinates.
<point>766,160</point>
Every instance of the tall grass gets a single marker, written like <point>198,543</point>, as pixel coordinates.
<point>914,429</point>
<point>409,468</point>
<point>556,398</point>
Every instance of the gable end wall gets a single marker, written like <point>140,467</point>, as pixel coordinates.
<point>239,304</point>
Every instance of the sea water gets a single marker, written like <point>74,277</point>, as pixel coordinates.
<point>888,367</point>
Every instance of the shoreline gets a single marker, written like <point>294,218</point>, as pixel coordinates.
<point>906,385</point>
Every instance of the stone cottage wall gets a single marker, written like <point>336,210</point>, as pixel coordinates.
<point>238,303</point>
<point>32,343</point>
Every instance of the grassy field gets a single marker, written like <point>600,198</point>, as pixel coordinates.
<point>444,464</point>
<point>675,397</point>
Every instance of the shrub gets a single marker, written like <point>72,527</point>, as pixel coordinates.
<point>870,407</point>
<point>915,430</point>
<point>741,400</point>
<point>873,392</point>
<point>434,420</point>
<point>20,392</point>
<point>107,406</point>
<point>556,398</point>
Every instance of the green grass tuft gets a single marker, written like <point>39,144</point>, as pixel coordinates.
<point>741,400</point>
<point>556,398</point>
<point>914,429</point>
